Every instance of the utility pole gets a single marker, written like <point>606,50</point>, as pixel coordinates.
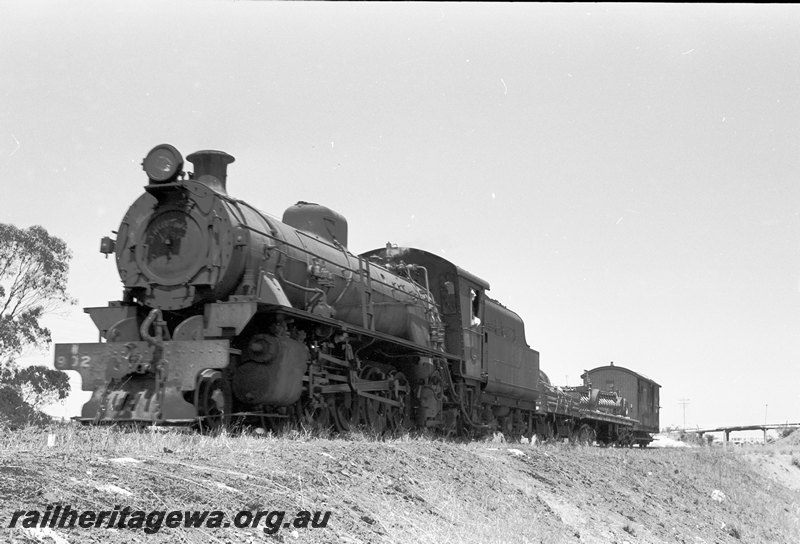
<point>765,413</point>
<point>684,402</point>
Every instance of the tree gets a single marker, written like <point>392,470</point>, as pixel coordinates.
<point>24,391</point>
<point>33,282</point>
<point>40,386</point>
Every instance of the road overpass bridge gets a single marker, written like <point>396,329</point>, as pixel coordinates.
<point>759,427</point>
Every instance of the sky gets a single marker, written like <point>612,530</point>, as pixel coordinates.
<point>625,176</point>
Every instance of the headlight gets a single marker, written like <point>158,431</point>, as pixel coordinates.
<point>163,163</point>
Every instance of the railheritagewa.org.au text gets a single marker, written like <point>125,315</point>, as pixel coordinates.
<point>62,517</point>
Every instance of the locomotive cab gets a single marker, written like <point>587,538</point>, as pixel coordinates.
<point>488,338</point>
<point>472,295</point>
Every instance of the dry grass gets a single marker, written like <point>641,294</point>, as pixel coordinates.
<point>405,489</point>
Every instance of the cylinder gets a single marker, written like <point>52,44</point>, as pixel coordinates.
<point>271,372</point>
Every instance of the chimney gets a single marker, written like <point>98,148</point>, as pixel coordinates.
<point>211,168</point>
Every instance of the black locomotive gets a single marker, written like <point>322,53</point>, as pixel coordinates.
<point>229,313</point>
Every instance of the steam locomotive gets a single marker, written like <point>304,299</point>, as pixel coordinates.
<point>229,314</point>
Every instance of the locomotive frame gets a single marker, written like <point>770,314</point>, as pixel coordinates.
<point>229,313</point>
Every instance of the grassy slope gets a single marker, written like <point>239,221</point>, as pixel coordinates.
<point>410,490</point>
